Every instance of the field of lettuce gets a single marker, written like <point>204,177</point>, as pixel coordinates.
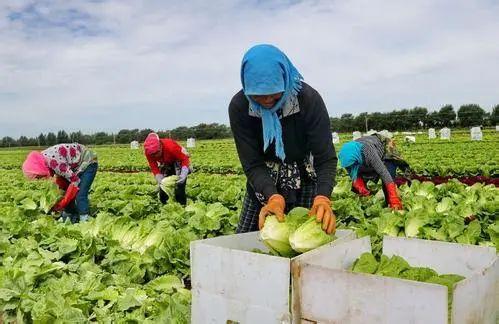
<point>130,263</point>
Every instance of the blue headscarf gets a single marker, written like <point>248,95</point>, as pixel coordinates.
<point>266,70</point>
<point>351,157</point>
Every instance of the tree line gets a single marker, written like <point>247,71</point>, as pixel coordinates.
<point>397,120</point>
<point>417,118</point>
<point>124,136</point>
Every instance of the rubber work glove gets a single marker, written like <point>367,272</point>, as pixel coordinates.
<point>275,206</point>
<point>61,182</point>
<point>183,175</point>
<point>68,197</point>
<point>322,210</point>
<point>393,198</point>
<point>158,178</point>
<point>359,187</point>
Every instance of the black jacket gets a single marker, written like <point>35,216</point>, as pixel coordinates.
<point>307,131</point>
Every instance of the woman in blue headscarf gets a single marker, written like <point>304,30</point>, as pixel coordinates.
<point>282,132</point>
<point>370,158</point>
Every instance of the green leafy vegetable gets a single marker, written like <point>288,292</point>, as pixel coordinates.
<point>309,236</point>
<point>367,263</point>
<point>275,236</point>
<point>168,185</point>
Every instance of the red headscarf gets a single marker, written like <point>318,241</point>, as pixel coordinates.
<point>152,144</point>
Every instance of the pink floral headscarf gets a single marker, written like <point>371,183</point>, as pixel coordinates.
<point>35,166</point>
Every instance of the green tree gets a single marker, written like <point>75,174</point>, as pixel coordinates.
<point>23,141</point>
<point>42,140</point>
<point>447,116</point>
<point>124,136</point>
<point>8,141</point>
<point>470,115</point>
<point>102,138</point>
<point>494,117</point>
<point>86,139</point>
<point>62,137</point>
<point>75,137</point>
<point>141,136</point>
<point>51,139</point>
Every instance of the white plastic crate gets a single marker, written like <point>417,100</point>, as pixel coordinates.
<point>191,142</point>
<point>386,133</point>
<point>476,134</point>
<point>231,283</point>
<point>410,139</point>
<point>356,135</point>
<point>328,293</point>
<point>431,133</point>
<point>445,133</point>
<point>336,138</point>
<point>134,145</point>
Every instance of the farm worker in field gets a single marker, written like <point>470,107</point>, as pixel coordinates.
<point>370,158</point>
<point>74,167</point>
<point>283,139</point>
<point>166,157</point>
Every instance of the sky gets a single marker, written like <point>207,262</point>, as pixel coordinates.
<point>109,65</point>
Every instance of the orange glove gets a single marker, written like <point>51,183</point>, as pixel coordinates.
<point>324,214</point>
<point>275,205</point>
<point>69,196</point>
<point>393,198</point>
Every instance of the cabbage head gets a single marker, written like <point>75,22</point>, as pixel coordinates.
<point>309,236</point>
<point>275,235</point>
<point>168,186</point>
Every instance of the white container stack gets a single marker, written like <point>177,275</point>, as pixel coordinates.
<point>445,133</point>
<point>336,138</point>
<point>134,145</point>
<point>431,133</point>
<point>410,139</point>
<point>231,284</point>
<point>191,142</point>
<point>476,134</point>
<point>328,293</point>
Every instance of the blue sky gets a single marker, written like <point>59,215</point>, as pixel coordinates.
<point>108,65</point>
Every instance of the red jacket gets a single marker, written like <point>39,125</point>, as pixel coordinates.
<point>171,153</point>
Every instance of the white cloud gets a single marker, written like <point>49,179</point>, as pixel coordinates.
<point>108,65</point>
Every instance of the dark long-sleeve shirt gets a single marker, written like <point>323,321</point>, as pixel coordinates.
<point>373,152</point>
<point>305,132</point>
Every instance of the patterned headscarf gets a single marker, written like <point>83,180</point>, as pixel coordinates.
<point>35,166</point>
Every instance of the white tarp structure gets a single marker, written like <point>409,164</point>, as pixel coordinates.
<point>336,138</point>
<point>445,133</point>
<point>431,133</point>
<point>476,134</point>
<point>410,139</point>
<point>134,145</point>
<point>386,133</point>
<point>191,142</point>
<point>356,135</point>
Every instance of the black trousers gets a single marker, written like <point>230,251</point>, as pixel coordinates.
<point>180,195</point>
